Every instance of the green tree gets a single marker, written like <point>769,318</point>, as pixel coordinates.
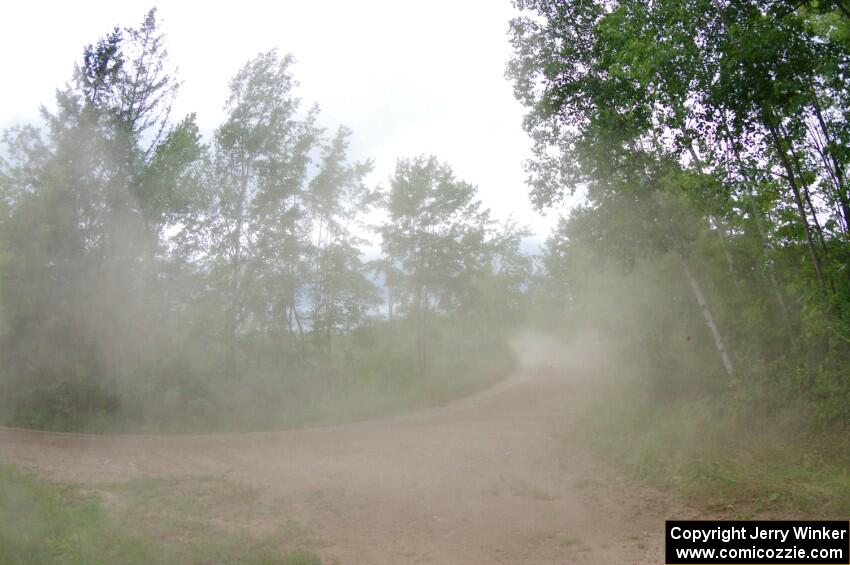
<point>256,228</point>
<point>705,129</point>
<point>87,199</point>
<point>435,240</point>
<point>340,293</point>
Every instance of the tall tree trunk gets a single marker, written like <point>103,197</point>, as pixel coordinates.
<point>798,200</point>
<point>765,242</point>
<point>300,327</point>
<point>709,319</point>
<point>235,268</point>
<point>716,221</point>
<point>420,326</point>
<point>232,322</point>
<point>805,190</point>
<point>836,171</point>
<point>730,261</point>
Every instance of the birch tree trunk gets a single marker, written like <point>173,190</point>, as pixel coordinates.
<point>709,319</point>
<point>714,221</point>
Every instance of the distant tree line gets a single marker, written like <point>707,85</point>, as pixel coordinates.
<point>139,258</point>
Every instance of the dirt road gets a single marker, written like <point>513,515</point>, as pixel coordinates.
<point>489,479</point>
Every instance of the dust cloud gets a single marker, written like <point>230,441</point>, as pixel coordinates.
<point>582,356</point>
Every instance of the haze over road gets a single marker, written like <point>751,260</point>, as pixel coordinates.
<point>489,479</point>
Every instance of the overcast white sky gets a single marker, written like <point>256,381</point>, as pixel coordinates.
<point>407,76</point>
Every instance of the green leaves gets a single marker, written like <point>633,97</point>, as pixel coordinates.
<point>705,129</point>
<point>443,255</point>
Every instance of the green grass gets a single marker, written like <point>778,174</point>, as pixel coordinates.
<point>741,466</point>
<point>139,522</point>
<point>45,523</point>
